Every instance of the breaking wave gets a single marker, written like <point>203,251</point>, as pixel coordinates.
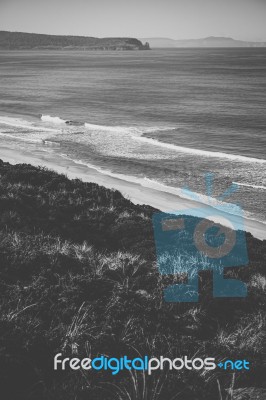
<point>251,186</point>
<point>21,123</point>
<point>106,128</point>
<point>135,132</point>
<point>206,153</point>
<point>53,120</point>
<point>132,130</point>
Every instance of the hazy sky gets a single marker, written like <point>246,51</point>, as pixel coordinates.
<point>178,19</point>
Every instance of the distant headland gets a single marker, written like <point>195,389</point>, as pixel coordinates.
<point>211,41</point>
<point>35,41</point>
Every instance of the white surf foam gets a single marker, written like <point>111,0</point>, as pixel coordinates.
<point>251,186</point>
<point>132,130</point>
<point>149,183</point>
<point>24,124</point>
<point>205,153</point>
<point>152,184</point>
<point>52,120</point>
<point>103,171</point>
<point>22,138</point>
<point>135,132</point>
<point>194,196</point>
<point>104,128</point>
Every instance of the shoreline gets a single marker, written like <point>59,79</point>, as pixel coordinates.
<point>135,192</point>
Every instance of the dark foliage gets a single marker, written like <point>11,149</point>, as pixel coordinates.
<point>26,41</point>
<point>78,276</point>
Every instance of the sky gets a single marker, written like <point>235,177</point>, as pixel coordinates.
<point>177,19</point>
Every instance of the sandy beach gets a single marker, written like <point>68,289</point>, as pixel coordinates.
<point>137,193</point>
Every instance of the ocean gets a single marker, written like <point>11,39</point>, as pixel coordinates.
<point>161,118</point>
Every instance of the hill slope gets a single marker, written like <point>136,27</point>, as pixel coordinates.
<point>210,41</point>
<point>33,41</point>
<point>78,276</point>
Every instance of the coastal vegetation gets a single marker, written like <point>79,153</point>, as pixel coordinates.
<point>78,276</point>
<point>34,41</point>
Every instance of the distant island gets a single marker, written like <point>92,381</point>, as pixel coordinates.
<point>211,41</point>
<point>34,41</point>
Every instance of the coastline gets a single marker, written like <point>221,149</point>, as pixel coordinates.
<point>135,192</point>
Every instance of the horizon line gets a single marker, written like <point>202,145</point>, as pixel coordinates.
<point>139,37</point>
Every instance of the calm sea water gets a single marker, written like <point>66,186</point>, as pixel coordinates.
<point>162,118</point>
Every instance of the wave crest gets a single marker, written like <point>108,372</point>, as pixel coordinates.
<point>199,152</point>
<point>53,120</point>
<point>250,186</point>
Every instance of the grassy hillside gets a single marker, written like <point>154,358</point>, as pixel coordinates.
<point>31,41</point>
<point>78,276</point>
